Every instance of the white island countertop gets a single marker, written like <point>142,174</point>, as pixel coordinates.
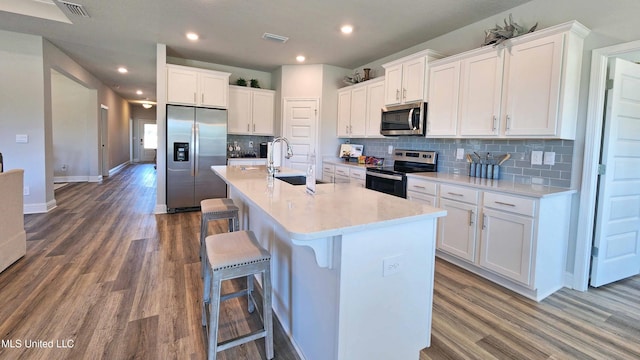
<point>335,209</point>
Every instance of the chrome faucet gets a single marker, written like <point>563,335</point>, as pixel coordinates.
<point>271,170</point>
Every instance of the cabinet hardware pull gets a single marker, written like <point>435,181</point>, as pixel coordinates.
<point>455,194</point>
<point>494,123</point>
<point>404,93</point>
<point>484,222</point>
<point>350,129</point>
<point>254,127</point>
<point>247,127</point>
<point>471,217</point>
<point>508,122</point>
<point>419,187</point>
<point>202,99</point>
<point>397,94</point>
<point>504,203</point>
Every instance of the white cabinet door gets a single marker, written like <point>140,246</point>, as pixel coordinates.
<point>358,112</point>
<point>375,102</point>
<point>263,112</point>
<point>182,86</point>
<point>532,91</point>
<point>506,245</point>
<point>442,117</point>
<point>357,176</point>
<point>344,113</point>
<point>214,90</point>
<point>393,85</point>
<point>413,72</point>
<point>481,94</point>
<point>239,114</point>
<point>457,231</point>
<point>341,174</point>
<point>421,198</point>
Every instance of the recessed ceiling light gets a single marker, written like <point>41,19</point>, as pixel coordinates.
<point>300,58</point>
<point>346,29</point>
<point>123,70</point>
<point>139,92</point>
<point>192,36</point>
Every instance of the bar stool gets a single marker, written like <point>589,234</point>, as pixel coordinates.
<point>228,256</point>
<point>216,209</point>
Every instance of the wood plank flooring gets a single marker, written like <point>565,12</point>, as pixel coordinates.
<point>108,279</point>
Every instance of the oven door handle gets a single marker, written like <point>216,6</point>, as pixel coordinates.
<point>386,176</point>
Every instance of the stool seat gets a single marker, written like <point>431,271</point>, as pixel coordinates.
<point>214,206</point>
<point>228,256</point>
<point>234,249</point>
<point>216,209</point>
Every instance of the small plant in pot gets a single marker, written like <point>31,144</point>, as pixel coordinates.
<point>241,82</point>
<point>255,83</point>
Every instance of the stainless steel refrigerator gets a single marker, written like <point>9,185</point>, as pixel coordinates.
<point>196,140</point>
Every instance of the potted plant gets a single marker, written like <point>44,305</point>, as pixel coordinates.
<point>241,82</point>
<point>254,83</point>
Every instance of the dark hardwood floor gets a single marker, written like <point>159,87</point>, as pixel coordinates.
<point>105,278</point>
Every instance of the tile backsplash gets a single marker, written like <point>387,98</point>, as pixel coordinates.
<point>518,168</point>
<point>243,141</point>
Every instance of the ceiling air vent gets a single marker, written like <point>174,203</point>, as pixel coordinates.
<point>273,37</point>
<point>75,9</point>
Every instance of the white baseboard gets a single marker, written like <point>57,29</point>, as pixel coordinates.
<point>118,168</point>
<point>568,280</point>
<point>95,178</point>
<point>161,209</point>
<point>68,179</point>
<point>39,208</point>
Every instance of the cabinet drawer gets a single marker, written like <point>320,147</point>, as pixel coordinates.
<point>422,186</point>
<point>341,171</point>
<point>514,204</point>
<point>328,169</point>
<point>358,174</point>
<point>421,198</point>
<point>459,193</point>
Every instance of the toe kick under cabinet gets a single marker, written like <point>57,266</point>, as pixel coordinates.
<point>517,241</point>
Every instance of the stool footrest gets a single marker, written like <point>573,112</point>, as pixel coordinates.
<point>241,340</point>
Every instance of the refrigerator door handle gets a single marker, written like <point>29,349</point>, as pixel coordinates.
<point>192,149</point>
<point>197,154</point>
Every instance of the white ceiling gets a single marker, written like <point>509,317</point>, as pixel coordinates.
<point>125,33</point>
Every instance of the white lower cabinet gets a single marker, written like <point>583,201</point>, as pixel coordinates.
<point>341,174</point>
<point>328,173</point>
<point>519,242</point>
<point>357,176</point>
<point>506,244</point>
<point>422,191</point>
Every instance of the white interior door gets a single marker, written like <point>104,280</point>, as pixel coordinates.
<point>104,141</point>
<point>616,253</point>
<point>148,142</point>
<point>300,127</point>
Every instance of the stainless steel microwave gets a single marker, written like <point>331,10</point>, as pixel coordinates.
<point>407,119</point>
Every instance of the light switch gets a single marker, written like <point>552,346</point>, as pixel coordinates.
<point>22,138</point>
<point>459,154</point>
<point>550,158</point>
<point>536,158</point>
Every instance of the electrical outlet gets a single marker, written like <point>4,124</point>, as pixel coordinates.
<point>64,167</point>
<point>392,265</point>
<point>390,149</point>
<point>251,144</point>
<point>550,158</point>
<point>536,158</point>
<point>459,154</point>
<point>25,190</point>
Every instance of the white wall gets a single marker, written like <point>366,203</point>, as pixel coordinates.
<point>22,112</point>
<point>72,115</point>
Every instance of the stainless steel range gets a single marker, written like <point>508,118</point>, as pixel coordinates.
<point>393,179</point>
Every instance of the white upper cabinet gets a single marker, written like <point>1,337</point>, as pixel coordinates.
<point>442,109</point>
<point>528,87</point>
<point>533,76</point>
<point>375,102</point>
<point>405,78</point>
<point>359,109</point>
<point>192,86</point>
<point>251,111</point>
<point>480,94</point>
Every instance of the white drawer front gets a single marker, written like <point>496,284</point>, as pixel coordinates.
<point>459,193</point>
<point>341,171</point>
<point>421,198</point>
<point>328,169</point>
<point>514,204</point>
<point>359,174</point>
<point>421,186</point>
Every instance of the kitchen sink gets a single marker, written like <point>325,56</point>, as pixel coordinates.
<point>296,180</point>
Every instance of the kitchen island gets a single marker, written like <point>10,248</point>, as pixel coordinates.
<point>352,269</point>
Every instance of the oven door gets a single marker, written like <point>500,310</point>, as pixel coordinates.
<point>393,184</point>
